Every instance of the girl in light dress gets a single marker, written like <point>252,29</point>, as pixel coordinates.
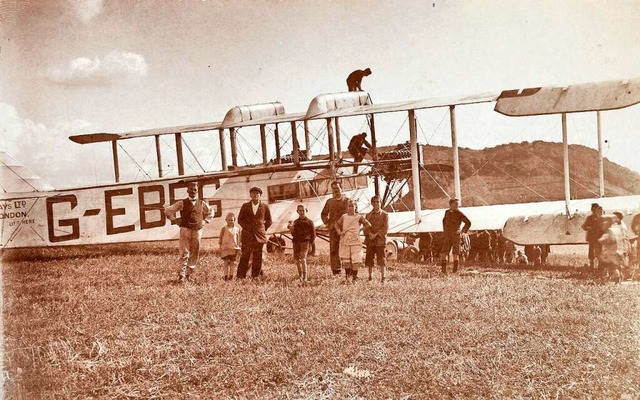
<point>350,251</point>
<point>229,245</point>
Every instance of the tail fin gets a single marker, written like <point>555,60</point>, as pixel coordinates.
<point>16,178</point>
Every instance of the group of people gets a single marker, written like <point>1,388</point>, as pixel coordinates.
<point>609,244</point>
<point>247,240</point>
<point>344,225</point>
<point>608,238</point>
<point>254,218</point>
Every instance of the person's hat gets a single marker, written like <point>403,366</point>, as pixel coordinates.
<point>595,205</point>
<point>618,214</point>
<point>453,200</point>
<point>255,189</point>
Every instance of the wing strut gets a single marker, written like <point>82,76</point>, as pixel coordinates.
<point>116,165</point>
<point>337,136</point>
<point>374,151</point>
<point>158,155</point>
<point>565,156</point>
<point>415,170</point>
<point>223,149</point>
<point>179,153</point>
<point>454,146</point>
<point>600,159</point>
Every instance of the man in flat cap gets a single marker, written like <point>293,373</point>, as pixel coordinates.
<point>255,219</point>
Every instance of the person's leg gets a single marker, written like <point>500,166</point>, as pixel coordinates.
<point>446,248</point>
<point>592,255</point>
<point>334,252</point>
<point>183,246</point>
<point>369,259</point>
<point>296,257</point>
<point>243,264</point>
<point>194,251</point>
<point>456,252</point>
<point>228,268</point>
<point>382,261</point>
<point>304,250</point>
<point>256,262</point>
<point>356,261</point>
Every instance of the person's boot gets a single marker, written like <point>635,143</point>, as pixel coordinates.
<point>370,274</point>
<point>189,274</point>
<point>455,266</point>
<point>354,275</point>
<point>347,274</point>
<point>443,264</point>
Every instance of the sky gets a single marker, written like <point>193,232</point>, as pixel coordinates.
<point>71,67</point>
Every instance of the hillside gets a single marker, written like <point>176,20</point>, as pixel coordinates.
<point>518,173</point>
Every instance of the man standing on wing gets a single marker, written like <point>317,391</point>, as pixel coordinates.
<point>255,219</point>
<point>451,235</point>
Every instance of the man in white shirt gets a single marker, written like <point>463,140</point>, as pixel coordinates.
<point>194,213</point>
<point>254,218</point>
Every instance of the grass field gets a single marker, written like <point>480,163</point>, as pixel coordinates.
<point>108,323</point>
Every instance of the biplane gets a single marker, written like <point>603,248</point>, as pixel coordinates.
<point>34,214</point>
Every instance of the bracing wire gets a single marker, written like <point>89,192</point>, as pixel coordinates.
<point>134,161</point>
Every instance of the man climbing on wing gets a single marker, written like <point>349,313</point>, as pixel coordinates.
<point>358,148</point>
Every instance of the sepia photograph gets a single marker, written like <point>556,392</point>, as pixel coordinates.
<point>286,199</point>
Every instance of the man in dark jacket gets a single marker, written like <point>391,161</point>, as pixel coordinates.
<point>451,234</point>
<point>593,226</point>
<point>255,219</point>
<point>333,209</point>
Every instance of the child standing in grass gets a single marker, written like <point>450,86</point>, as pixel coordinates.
<point>303,233</point>
<point>376,237</point>
<point>348,227</point>
<point>229,245</point>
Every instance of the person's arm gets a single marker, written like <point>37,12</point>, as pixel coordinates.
<point>325,214</point>
<point>171,211</point>
<point>292,227</point>
<point>586,225</point>
<point>364,222</point>
<point>444,220</point>
<point>385,225</point>
<point>467,223</point>
<point>243,215</point>
<point>338,226</point>
<point>267,218</point>
<point>220,238</point>
<point>206,211</point>
<point>313,231</point>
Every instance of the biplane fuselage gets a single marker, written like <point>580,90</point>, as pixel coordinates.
<point>133,212</point>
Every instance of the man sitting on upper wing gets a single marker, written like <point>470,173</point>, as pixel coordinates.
<point>358,148</point>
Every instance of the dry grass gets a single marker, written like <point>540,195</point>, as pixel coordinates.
<point>106,323</point>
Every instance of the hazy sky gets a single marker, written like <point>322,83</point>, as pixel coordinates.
<point>70,67</point>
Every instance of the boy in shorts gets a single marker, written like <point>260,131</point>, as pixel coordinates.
<point>303,233</point>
